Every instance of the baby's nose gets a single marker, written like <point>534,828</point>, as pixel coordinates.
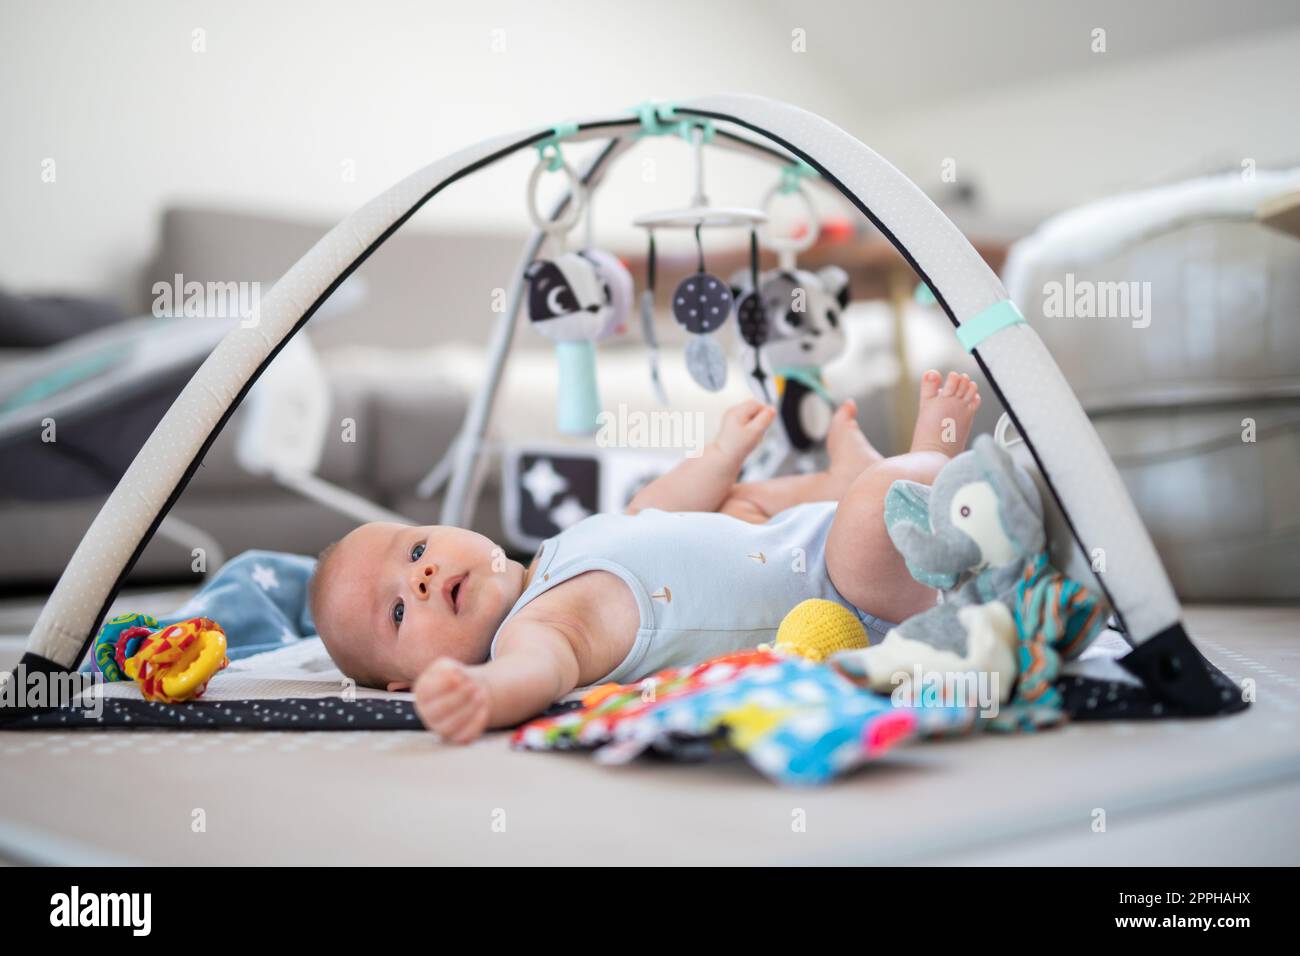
<point>422,580</point>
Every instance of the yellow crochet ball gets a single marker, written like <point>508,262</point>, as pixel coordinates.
<point>816,629</point>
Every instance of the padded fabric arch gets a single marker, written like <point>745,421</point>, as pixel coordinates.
<point>1063,442</point>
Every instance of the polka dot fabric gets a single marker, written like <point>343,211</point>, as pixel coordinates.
<point>1086,698</point>
<point>289,714</point>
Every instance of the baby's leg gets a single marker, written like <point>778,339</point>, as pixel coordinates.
<point>863,564</point>
<point>702,483</point>
<point>850,454</point>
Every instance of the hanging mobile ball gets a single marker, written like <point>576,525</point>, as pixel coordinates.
<point>701,304</point>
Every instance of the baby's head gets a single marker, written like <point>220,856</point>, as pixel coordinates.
<point>389,599</point>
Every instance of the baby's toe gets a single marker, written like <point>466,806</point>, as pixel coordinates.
<point>951,384</point>
<point>930,384</point>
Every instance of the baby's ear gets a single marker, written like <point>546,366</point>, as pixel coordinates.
<point>399,685</point>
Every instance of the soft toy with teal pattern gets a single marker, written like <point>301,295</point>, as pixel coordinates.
<point>118,639</point>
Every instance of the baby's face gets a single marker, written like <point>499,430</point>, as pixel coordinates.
<point>399,597</point>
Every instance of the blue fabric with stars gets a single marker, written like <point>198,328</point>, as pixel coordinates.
<point>260,600</point>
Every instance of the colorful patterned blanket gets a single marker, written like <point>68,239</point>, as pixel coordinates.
<point>796,721</point>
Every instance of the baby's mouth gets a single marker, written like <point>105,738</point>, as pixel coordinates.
<point>451,591</point>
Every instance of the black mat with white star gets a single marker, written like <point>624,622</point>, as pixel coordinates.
<point>1084,699</point>
<point>308,713</point>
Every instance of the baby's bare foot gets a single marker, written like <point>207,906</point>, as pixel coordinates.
<point>945,414</point>
<point>849,451</point>
<point>742,429</point>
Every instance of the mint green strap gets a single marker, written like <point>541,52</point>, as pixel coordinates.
<point>792,176</point>
<point>649,112</point>
<point>552,143</point>
<point>661,119</point>
<point>994,319</point>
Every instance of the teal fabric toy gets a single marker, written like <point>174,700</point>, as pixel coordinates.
<point>118,639</point>
<point>977,535</point>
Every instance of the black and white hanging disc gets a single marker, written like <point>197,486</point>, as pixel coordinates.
<point>701,303</point>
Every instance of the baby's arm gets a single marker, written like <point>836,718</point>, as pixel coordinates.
<point>702,483</point>
<point>536,667</point>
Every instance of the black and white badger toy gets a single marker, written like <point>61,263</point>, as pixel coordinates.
<point>579,296</point>
<point>795,332</point>
<point>575,300</point>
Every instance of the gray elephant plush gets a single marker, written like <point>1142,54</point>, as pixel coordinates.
<point>977,535</point>
<point>972,532</point>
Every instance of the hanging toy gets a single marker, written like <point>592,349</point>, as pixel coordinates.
<point>170,664</point>
<point>751,321</point>
<point>648,324</point>
<point>790,326</point>
<point>701,304</point>
<point>575,299</point>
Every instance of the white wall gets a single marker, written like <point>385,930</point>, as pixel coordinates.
<point>1091,133</point>
<point>286,94</point>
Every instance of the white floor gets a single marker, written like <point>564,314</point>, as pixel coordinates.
<point>1221,791</point>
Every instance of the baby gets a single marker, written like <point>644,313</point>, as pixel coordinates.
<point>698,566</point>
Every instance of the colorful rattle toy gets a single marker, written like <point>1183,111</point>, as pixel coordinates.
<point>170,665</point>
<point>118,639</point>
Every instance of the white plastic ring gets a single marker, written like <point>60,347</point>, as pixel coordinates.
<point>791,244</point>
<point>1000,432</point>
<point>572,212</point>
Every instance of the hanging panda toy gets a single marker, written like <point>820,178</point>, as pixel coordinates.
<point>792,330</point>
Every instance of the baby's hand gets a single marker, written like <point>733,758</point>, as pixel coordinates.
<point>452,702</point>
<point>742,428</point>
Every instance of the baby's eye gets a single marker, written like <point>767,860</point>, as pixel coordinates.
<point>399,612</point>
<point>417,552</point>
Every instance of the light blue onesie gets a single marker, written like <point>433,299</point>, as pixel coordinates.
<point>706,584</point>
